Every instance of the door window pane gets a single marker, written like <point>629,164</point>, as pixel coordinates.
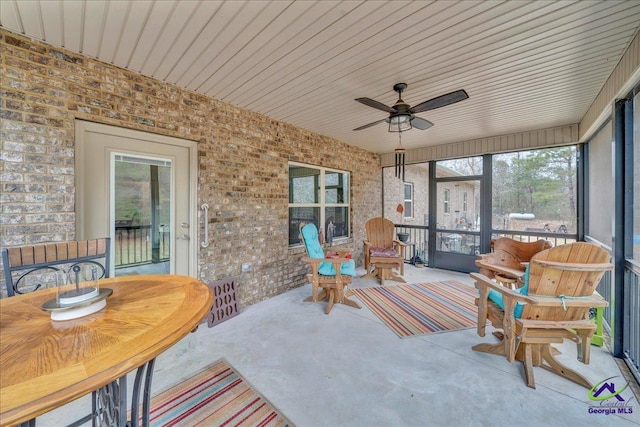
<point>460,201</point>
<point>142,205</point>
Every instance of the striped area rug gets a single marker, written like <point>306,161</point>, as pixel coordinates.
<point>422,308</point>
<point>216,396</point>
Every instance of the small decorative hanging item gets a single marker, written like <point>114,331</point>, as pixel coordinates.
<point>400,158</point>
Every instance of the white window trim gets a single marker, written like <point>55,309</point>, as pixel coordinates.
<point>322,203</point>
<point>410,184</point>
<point>446,200</point>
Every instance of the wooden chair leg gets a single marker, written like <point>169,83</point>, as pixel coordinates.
<point>319,297</point>
<point>490,348</point>
<point>350,302</point>
<point>369,274</point>
<point>558,368</point>
<point>331,301</point>
<point>393,276</point>
<point>528,364</point>
<point>537,356</point>
<point>584,346</point>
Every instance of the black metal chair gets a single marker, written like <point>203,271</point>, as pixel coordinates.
<point>21,262</point>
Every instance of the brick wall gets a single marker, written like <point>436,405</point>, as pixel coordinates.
<point>242,159</point>
<point>418,175</point>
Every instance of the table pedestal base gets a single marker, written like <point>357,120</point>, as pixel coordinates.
<point>109,407</point>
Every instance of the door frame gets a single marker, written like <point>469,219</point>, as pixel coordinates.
<point>453,260</point>
<point>81,127</point>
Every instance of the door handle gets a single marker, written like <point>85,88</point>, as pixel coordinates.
<point>183,237</point>
<point>205,219</point>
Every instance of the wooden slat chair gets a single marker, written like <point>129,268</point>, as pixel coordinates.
<point>37,259</point>
<point>332,275</point>
<point>21,262</point>
<point>383,251</point>
<point>505,261</point>
<point>557,296</point>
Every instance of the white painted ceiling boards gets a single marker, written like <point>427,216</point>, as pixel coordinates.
<point>525,64</point>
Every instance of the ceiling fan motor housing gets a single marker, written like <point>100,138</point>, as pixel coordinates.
<point>401,118</point>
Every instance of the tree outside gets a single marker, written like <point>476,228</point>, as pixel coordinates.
<point>535,190</point>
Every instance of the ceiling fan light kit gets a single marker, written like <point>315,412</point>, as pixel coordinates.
<point>401,120</point>
<point>399,123</point>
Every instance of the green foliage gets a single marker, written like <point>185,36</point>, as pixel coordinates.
<point>541,182</point>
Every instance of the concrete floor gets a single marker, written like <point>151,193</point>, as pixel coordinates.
<point>349,369</point>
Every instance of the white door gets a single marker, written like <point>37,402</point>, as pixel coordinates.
<point>139,189</point>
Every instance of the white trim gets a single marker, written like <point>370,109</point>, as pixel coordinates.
<point>192,146</point>
<point>322,205</point>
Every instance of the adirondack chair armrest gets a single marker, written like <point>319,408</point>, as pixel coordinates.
<point>593,301</point>
<point>567,266</point>
<point>318,261</point>
<point>484,281</point>
<point>315,265</point>
<point>500,269</point>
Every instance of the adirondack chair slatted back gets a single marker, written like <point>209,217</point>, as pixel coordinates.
<point>19,262</point>
<point>520,251</point>
<point>380,232</point>
<point>572,283</point>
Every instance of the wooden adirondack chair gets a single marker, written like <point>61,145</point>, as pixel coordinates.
<point>331,275</point>
<point>557,297</point>
<point>505,261</point>
<point>382,251</point>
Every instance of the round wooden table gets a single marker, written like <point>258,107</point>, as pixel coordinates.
<point>45,364</point>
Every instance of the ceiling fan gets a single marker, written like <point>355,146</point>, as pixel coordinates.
<point>402,116</point>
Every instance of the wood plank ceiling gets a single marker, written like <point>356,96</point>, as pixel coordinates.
<point>525,64</point>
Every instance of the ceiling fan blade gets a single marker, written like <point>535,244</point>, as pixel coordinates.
<point>375,104</point>
<point>420,123</point>
<point>440,101</point>
<point>370,124</point>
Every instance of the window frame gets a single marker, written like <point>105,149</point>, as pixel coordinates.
<point>446,199</point>
<point>322,204</point>
<point>408,212</point>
